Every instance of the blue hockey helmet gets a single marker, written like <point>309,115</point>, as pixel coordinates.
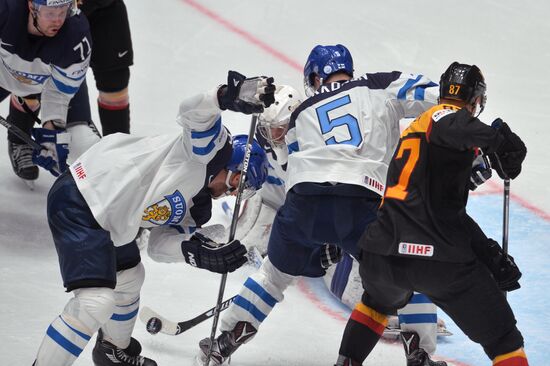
<point>256,174</point>
<point>324,61</point>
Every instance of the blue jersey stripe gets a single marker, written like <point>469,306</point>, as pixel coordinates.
<point>274,180</point>
<point>70,347</point>
<point>81,334</point>
<point>251,308</point>
<point>214,131</point>
<point>260,291</point>
<point>420,299</point>
<point>402,93</point>
<point>64,88</point>
<point>82,76</point>
<point>421,89</point>
<point>417,318</point>
<point>124,317</point>
<point>293,147</point>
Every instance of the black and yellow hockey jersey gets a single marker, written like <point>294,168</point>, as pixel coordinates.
<point>423,214</point>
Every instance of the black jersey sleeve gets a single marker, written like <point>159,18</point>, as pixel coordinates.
<point>461,131</point>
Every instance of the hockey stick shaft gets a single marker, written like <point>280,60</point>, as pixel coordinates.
<point>233,229</point>
<point>21,134</point>
<point>505,217</point>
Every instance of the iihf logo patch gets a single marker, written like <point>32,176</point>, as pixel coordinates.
<point>422,250</point>
<point>169,211</point>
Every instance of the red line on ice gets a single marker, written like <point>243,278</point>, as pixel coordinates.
<point>298,67</point>
<point>244,34</point>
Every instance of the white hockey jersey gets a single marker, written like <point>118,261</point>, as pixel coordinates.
<point>131,182</point>
<point>348,131</point>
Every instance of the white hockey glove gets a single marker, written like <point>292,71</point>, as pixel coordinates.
<point>481,171</point>
<point>330,254</point>
<point>53,157</point>
<point>246,95</point>
<point>202,252</point>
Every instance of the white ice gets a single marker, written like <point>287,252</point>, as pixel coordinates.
<point>186,46</point>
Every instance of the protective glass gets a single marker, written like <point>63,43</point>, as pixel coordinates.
<point>52,13</point>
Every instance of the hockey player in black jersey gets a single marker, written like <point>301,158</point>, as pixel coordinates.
<point>423,239</point>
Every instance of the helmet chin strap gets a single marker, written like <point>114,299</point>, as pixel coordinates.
<point>34,15</point>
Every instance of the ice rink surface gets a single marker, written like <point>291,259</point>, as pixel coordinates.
<point>186,46</point>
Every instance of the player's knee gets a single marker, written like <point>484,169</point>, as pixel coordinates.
<point>112,81</point>
<point>91,307</point>
<point>83,136</point>
<point>272,279</point>
<point>508,343</point>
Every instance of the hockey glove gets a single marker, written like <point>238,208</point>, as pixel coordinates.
<point>53,157</point>
<point>481,171</point>
<point>246,95</point>
<point>330,254</point>
<point>202,252</point>
<point>510,154</point>
<point>502,266</point>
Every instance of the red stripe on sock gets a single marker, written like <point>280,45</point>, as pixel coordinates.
<point>368,321</point>
<point>513,361</point>
<point>111,107</point>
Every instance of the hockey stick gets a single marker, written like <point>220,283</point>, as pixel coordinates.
<point>21,134</point>
<point>233,229</point>
<point>506,218</point>
<point>156,323</point>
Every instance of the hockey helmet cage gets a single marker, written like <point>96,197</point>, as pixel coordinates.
<point>463,82</point>
<point>324,61</point>
<point>277,116</point>
<point>256,174</point>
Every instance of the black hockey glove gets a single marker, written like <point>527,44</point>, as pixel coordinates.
<point>481,171</point>
<point>502,266</point>
<point>510,154</point>
<point>330,254</point>
<point>202,252</point>
<point>246,95</point>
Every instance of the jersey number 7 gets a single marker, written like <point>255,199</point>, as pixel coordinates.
<point>399,191</point>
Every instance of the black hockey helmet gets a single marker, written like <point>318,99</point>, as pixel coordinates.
<point>463,82</point>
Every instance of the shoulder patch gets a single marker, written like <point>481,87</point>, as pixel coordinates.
<point>437,115</point>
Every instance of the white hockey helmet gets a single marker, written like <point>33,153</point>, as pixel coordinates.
<point>273,122</point>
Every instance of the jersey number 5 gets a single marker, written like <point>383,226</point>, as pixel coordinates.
<point>348,120</point>
<point>399,191</point>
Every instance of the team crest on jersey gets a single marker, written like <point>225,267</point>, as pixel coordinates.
<point>169,211</point>
<point>26,77</point>
<point>422,250</point>
<point>437,115</point>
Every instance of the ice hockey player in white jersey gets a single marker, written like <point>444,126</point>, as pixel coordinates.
<point>126,182</point>
<point>45,48</point>
<point>341,141</point>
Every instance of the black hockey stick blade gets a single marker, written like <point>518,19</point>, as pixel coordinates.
<point>156,323</point>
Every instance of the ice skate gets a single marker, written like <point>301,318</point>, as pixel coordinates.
<point>107,354</point>
<point>21,162</point>
<point>416,356</point>
<point>226,344</point>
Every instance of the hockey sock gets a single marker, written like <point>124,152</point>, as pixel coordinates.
<point>516,358</point>
<point>69,333</point>
<point>260,293</point>
<point>363,330</point>
<point>118,329</point>
<point>420,316</point>
<point>20,118</point>
<point>114,114</point>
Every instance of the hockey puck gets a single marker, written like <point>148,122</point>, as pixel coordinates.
<point>154,325</point>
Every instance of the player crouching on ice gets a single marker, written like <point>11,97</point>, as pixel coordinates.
<point>125,182</point>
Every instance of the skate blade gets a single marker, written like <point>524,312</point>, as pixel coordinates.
<point>29,183</point>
